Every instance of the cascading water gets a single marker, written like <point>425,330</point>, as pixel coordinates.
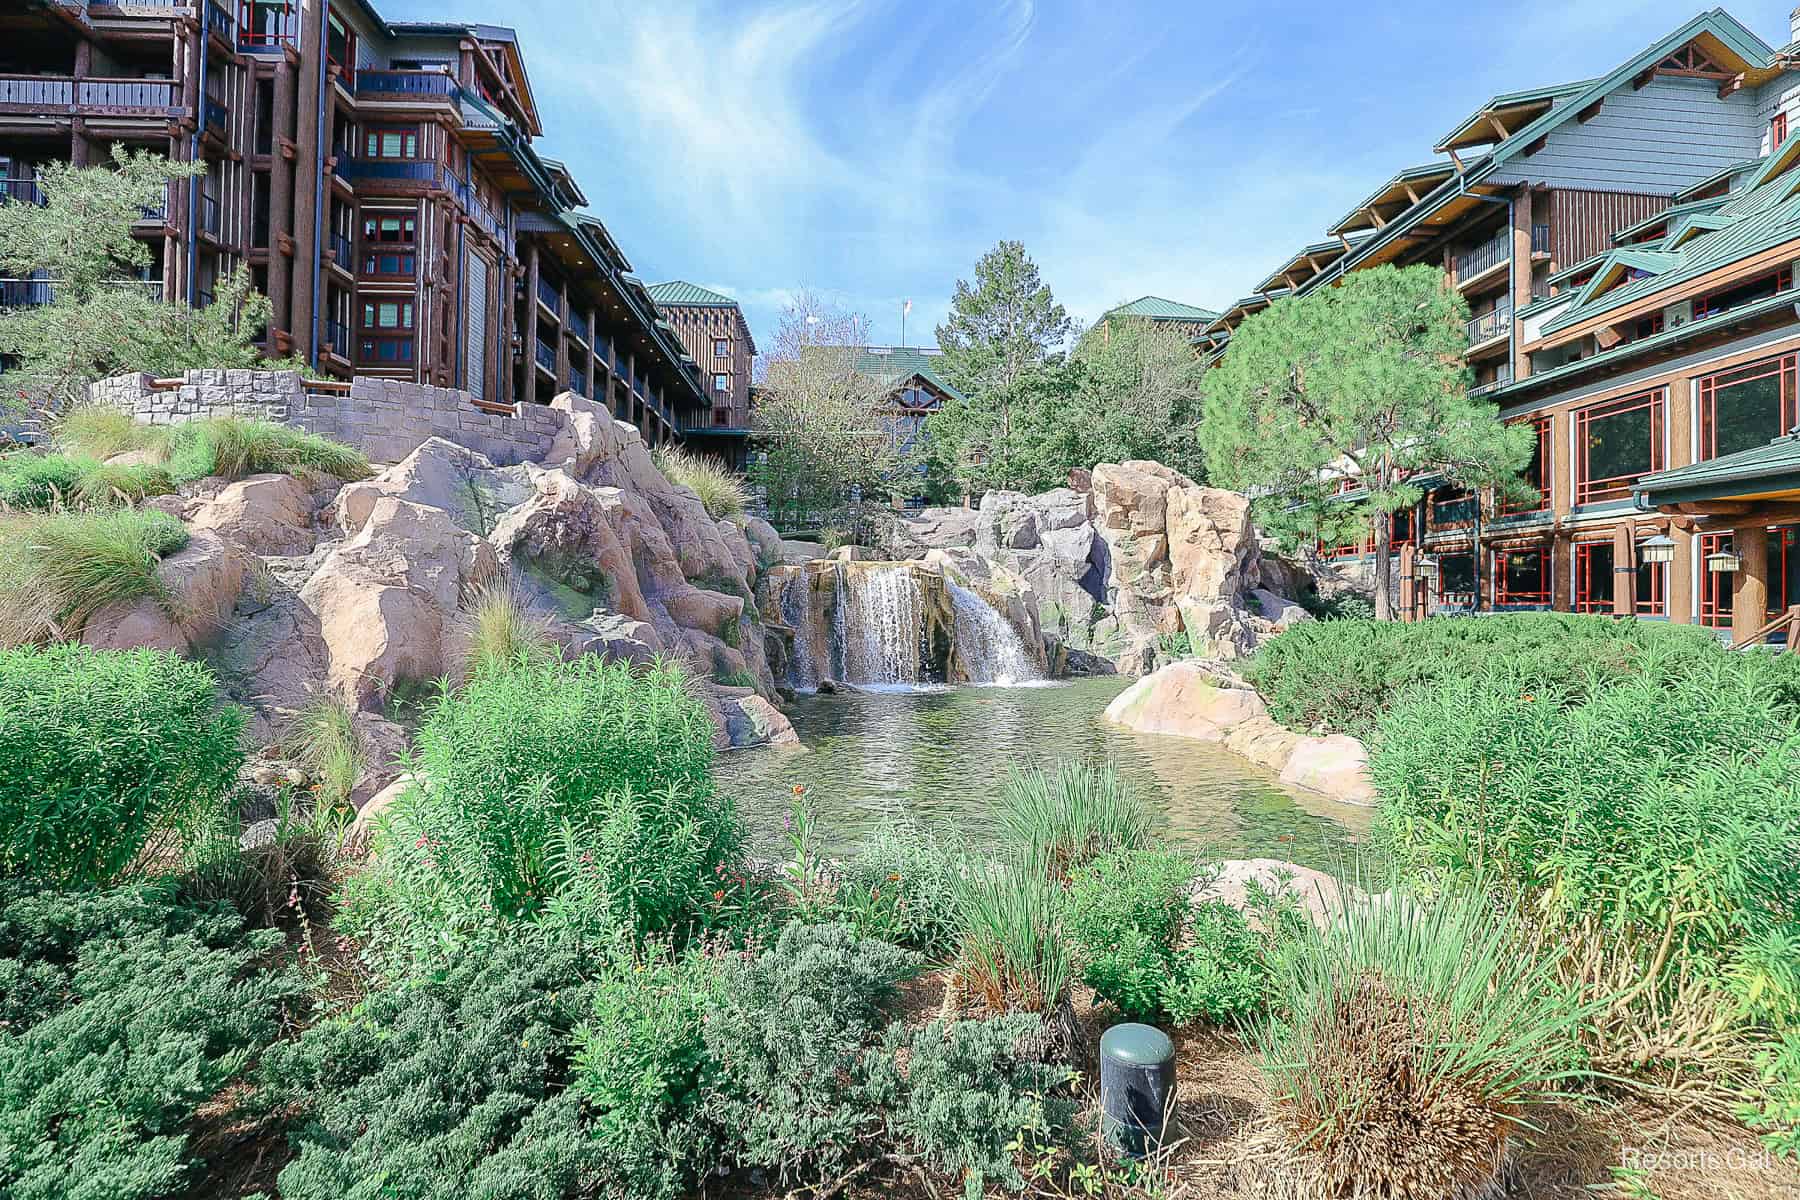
<point>896,625</point>
<point>991,650</point>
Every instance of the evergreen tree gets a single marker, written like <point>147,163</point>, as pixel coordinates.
<point>1364,380</point>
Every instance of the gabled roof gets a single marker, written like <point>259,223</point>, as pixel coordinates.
<point>1674,212</point>
<point>1495,120</point>
<point>680,293</point>
<point>1711,181</point>
<point>1156,308</point>
<point>1760,471</point>
<point>895,365</point>
<point>1408,186</point>
<point>1749,223</point>
<point>1308,262</point>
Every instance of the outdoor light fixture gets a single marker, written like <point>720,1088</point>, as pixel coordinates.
<point>1426,566</point>
<point>1723,563</point>
<point>1657,549</point>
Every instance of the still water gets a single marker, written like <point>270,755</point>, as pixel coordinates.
<point>943,756</point>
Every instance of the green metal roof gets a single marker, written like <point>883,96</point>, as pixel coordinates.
<point>1756,471</point>
<point>1731,173</point>
<point>1505,100</point>
<point>1157,309</point>
<point>1621,236</point>
<point>1764,217</point>
<point>896,364</point>
<point>689,295</point>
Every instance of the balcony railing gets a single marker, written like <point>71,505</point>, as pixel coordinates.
<point>407,83</point>
<point>577,382</point>
<point>1491,325</point>
<point>546,357</point>
<point>1485,257</point>
<point>550,294</point>
<point>365,168</point>
<point>270,29</point>
<point>25,293</point>
<point>21,191</point>
<point>220,22</point>
<point>578,325</point>
<point>1502,376</point>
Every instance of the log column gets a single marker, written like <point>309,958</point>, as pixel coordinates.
<point>1624,579</point>
<point>1750,586</point>
<point>1409,584</point>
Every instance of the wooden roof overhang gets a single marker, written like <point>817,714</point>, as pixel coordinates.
<point>1305,265</point>
<point>1763,481</point>
<point>1454,200</point>
<point>1503,116</point>
<point>1386,203</point>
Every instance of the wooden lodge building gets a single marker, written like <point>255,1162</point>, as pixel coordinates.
<point>380,178</point>
<point>712,329</point>
<point>1627,245</point>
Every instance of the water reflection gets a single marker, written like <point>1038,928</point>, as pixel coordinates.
<point>943,755</point>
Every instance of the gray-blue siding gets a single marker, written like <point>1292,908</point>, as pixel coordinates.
<point>1658,139</point>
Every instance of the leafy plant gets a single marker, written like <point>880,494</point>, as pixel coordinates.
<point>903,886</point>
<point>39,481</point>
<point>545,772</point>
<point>1776,1109</point>
<point>57,570</point>
<point>123,1013</point>
<point>723,492</point>
<point>109,758</point>
<point>1126,911</point>
<point>446,1084</point>
<point>1416,1037</point>
<point>1220,973</point>
<point>787,1039</point>
<point>1057,822</point>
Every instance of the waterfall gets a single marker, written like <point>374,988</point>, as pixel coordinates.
<point>886,613</point>
<point>990,648</point>
<point>796,613</point>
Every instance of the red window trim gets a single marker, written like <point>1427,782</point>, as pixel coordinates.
<point>1784,279</point>
<point>1537,598</point>
<point>1613,487</point>
<point>1777,131</point>
<point>1542,425</point>
<point>1786,419</point>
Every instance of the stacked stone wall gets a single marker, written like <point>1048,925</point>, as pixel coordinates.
<point>384,418</point>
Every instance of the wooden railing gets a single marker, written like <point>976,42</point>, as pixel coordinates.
<point>64,92</point>
<point>1788,623</point>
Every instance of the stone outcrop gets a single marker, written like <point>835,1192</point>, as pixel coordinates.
<point>1323,898</point>
<point>263,514</point>
<point>203,581</point>
<point>1202,701</point>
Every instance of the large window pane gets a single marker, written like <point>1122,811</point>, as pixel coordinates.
<point>1747,407</point>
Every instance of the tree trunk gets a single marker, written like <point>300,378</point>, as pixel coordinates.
<point>1384,601</point>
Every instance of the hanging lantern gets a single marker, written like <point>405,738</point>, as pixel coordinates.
<point>1724,562</point>
<point>1426,566</point>
<point>1657,549</point>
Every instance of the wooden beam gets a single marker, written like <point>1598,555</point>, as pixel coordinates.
<point>1498,127</point>
<point>1732,85</point>
<point>1537,144</point>
<point>1643,77</point>
<point>1590,112</point>
<point>1455,158</point>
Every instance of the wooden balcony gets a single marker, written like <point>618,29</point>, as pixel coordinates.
<point>65,96</point>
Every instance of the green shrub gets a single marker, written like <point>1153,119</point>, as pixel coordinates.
<point>1415,1039</point>
<point>786,1041</point>
<point>1220,974</point>
<point>1056,822</point>
<point>39,482</point>
<point>107,754</point>
<point>445,1085</point>
<point>902,886</point>
<point>639,1065</point>
<point>1343,675</point>
<point>120,1014</point>
<point>1776,1110</point>
<point>233,447</point>
<point>544,773</point>
<point>722,492</point>
<point>966,1096</point>
<point>59,569</point>
<point>1126,912</point>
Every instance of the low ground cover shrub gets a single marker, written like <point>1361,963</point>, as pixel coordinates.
<point>538,776</point>
<point>1343,675</point>
<point>58,569</point>
<point>121,1012</point>
<point>108,755</point>
<point>1413,1041</point>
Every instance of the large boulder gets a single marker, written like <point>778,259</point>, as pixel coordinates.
<point>264,514</point>
<point>439,474</point>
<point>1322,897</point>
<point>386,599</point>
<point>202,580</point>
<point>935,529</point>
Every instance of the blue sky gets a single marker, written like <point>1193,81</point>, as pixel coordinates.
<point>872,151</point>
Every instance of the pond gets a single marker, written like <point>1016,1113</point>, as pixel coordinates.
<point>942,756</point>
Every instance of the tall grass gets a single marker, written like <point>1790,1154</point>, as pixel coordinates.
<point>1013,956</point>
<point>325,743</point>
<point>233,447</point>
<point>1058,822</point>
<point>499,627</point>
<point>47,482</point>
<point>58,569</point>
<point>1416,1041</point>
<point>98,431</point>
<point>723,493</point>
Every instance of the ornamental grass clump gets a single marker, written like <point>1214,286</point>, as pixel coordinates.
<point>723,493</point>
<point>542,776</point>
<point>51,482</point>
<point>324,741</point>
<point>1013,955</point>
<point>499,627</point>
<point>109,759</point>
<point>58,569</point>
<point>1414,1042</point>
<point>100,431</point>
<point>1057,822</point>
<point>233,447</point>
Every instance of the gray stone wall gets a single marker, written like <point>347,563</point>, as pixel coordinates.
<point>384,418</point>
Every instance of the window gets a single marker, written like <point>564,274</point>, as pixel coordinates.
<point>1784,557</point>
<point>1740,294</point>
<point>1715,586</point>
<point>1615,443</point>
<point>387,314</point>
<point>721,417</point>
<point>1777,131</point>
<point>1784,576</point>
<point>1456,579</point>
<point>1521,578</point>
<point>1747,407</point>
<point>1400,528</point>
<point>721,384</point>
<point>1644,327</point>
<point>1536,473</point>
<point>391,141</point>
<point>267,22</point>
<point>401,231</point>
<point>1453,506</point>
<point>721,347</point>
<point>1596,581</point>
<point>397,266</point>
<point>387,350</point>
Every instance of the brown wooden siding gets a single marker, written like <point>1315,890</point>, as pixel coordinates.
<point>1582,223</point>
